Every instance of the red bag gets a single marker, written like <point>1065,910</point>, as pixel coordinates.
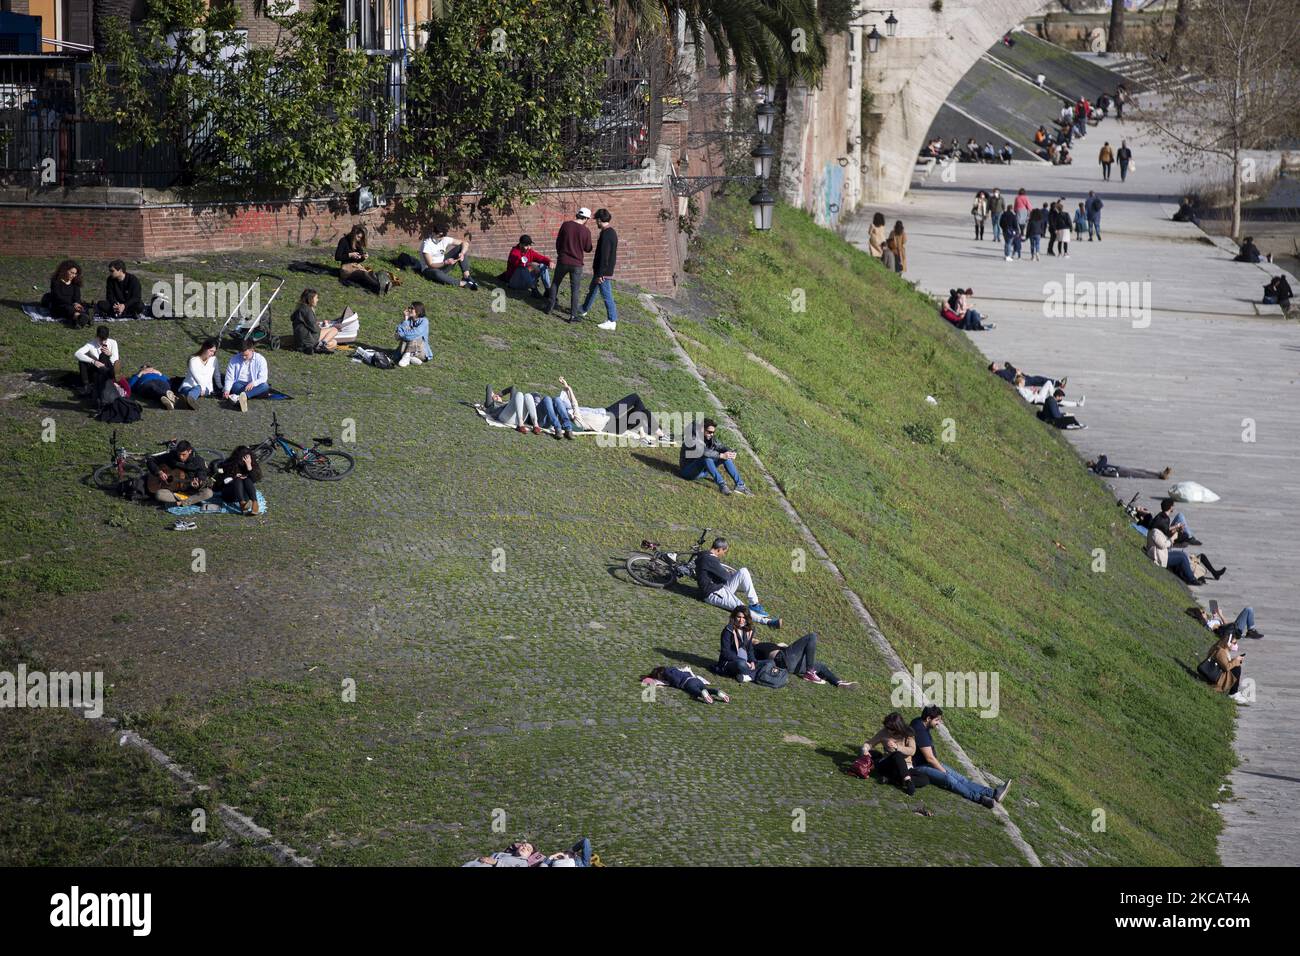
<point>862,767</point>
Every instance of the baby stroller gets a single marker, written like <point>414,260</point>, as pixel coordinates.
<point>241,330</point>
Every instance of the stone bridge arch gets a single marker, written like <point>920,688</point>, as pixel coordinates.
<point>912,74</point>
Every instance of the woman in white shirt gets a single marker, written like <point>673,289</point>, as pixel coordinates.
<point>1037,394</point>
<point>199,376</point>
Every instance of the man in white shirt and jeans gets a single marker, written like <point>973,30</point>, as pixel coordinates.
<point>442,255</point>
<point>246,377</point>
<point>98,359</point>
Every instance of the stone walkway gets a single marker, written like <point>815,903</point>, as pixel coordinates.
<point>1184,389</point>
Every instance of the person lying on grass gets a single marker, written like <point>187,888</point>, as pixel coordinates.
<point>1008,372</point>
<point>718,586</point>
<point>800,659</point>
<point>1216,620</point>
<point>1102,466</point>
<point>683,678</point>
<point>897,743</point>
<point>627,415</point>
<point>1192,569</point>
<point>524,853</point>
<point>1039,394</point>
<point>514,408</point>
<point>925,763</point>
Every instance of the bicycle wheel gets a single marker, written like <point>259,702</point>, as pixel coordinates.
<point>651,570</point>
<point>326,465</point>
<point>107,478</point>
<point>211,455</point>
<point>263,451</point>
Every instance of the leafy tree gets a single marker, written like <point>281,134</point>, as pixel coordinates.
<point>495,96</point>
<point>288,117</point>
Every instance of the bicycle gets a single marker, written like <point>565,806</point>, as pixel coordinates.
<point>309,462</point>
<point>130,465</point>
<point>656,567</point>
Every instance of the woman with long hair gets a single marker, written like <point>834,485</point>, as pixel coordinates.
<point>236,480</point>
<point>351,254</point>
<point>876,235</point>
<point>309,334</point>
<point>897,743</point>
<point>737,657</point>
<point>1225,654</point>
<point>980,213</point>
<point>64,298</point>
<point>199,374</point>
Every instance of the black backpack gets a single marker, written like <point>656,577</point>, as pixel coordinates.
<point>767,674</point>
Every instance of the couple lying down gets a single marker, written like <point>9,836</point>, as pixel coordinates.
<point>562,414</point>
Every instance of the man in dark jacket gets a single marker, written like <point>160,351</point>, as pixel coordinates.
<point>702,453</point>
<point>122,296</point>
<point>996,206</point>
<point>1010,227</point>
<point>1093,209</point>
<point>180,462</point>
<point>571,244</point>
<point>718,586</point>
<point>1249,252</point>
<point>602,271</point>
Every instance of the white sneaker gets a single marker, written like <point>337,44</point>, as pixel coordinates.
<point>608,326</point>
<point>415,359</point>
<point>242,401</point>
<point>168,401</point>
<point>1239,698</point>
<point>405,360</point>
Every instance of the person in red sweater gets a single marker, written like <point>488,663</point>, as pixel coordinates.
<point>571,245</point>
<point>526,268</point>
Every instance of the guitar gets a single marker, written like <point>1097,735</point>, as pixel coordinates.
<point>178,481</point>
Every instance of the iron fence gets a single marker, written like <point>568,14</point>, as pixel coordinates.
<point>47,141</point>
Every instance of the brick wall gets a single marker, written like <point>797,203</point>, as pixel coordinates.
<point>650,254</point>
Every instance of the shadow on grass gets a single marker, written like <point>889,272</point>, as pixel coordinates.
<point>658,464</point>
<point>686,657</point>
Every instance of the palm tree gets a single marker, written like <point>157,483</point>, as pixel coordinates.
<point>759,38</point>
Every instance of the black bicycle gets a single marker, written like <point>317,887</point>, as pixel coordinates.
<point>657,567</point>
<point>130,465</point>
<point>308,462</point>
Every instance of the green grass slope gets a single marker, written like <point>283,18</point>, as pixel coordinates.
<point>467,582</point>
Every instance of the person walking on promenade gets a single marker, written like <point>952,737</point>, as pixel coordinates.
<point>1125,157</point>
<point>1107,159</point>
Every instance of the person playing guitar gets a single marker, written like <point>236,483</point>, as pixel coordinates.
<point>178,471</point>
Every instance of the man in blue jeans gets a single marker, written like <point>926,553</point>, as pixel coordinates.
<point>925,762</point>
<point>702,454</point>
<point>1093,209</point>
<point>602,271</point>
<point>245,378</point>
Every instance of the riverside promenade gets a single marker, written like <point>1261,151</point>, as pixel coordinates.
<point>1202,379</point>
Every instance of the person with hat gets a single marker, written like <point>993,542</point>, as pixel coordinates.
<point>572,243</point>
<point>526,268</point>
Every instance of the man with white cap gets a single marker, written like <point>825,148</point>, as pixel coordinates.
<point>571,245</point>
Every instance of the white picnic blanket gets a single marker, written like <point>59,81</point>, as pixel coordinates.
<point>648,441</point>
<point>38,313</point>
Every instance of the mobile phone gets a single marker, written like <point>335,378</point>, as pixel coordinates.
<point>1214,607</point>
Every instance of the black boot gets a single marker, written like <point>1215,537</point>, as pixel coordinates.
<point>1217,572</point>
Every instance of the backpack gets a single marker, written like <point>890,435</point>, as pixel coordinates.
<point>862,767</point>
<point>121,411</point>
<point>768,674</point>
<point>382,359</point>
<point>132,489</point>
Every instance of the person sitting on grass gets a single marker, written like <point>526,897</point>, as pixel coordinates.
<point>179,470</point>
<point>736,655</point>
<point>897,743</point>
<point>1278,292</point>
<point>1172,524</point>
<point>513,407</point>
<point>960,313</point>
<point>1052,414</point>
<point>98,361</point>
<point>702,453</point>
<point>526,268</point>
<point>445,260</point>
<point>246,377</point>
<point>350,254</point>
<point>122,295</point>
<point>309,334</point>
<point>1102,466</point>
<point>237,477</point>
<point>926,764</point>
<point>718,586</point>
<point>151,383</point>
<point>1249,252</point>
<point>1216,620</point>
<point>1192,570</point>
<point>413,336</point>
<point>1227,654</point>
<point>63,301</point>
<point>1187,212</point>
<point>800,659</point>
<point>200,374</point>
<point>683,678</point>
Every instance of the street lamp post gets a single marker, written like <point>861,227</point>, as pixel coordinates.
<point>874,37</point>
